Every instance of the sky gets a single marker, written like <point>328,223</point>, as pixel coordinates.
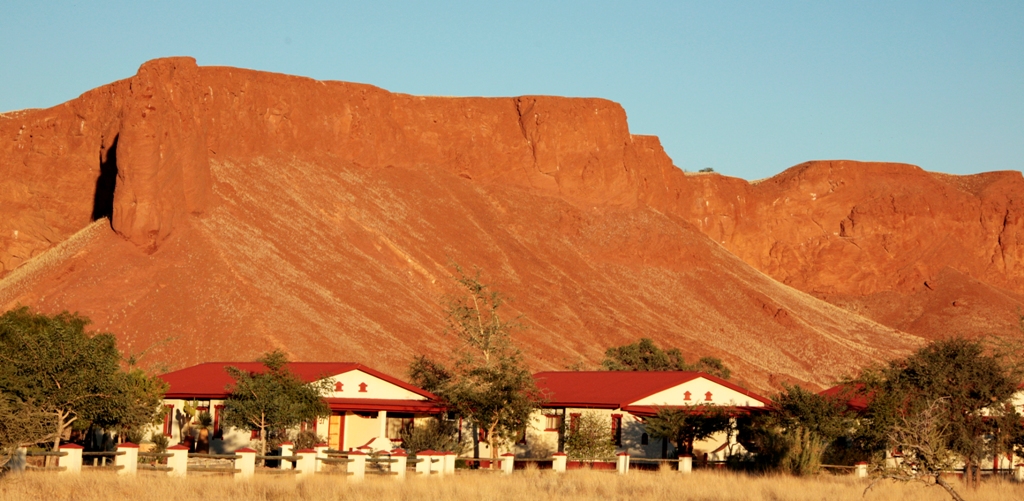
<point>745,88</point>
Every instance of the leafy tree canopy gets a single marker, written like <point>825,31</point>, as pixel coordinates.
<point>22,424</point>
<point>53,364</point>
<point>644,355</point>
<point>274,399</point>
<point>965,393</point>
<point>684,426</point>
<point>487,382</point>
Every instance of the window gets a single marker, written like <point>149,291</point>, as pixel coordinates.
<point>617,429</point>
<point>398,423</point>
<point>168,420</point>
<point>522,438</point>
<point>552,422</point>
<point>308,425</point>
<point>645,439</point>
<point>574,422</point>
<point>217,411</point>
<point>254,434</point>
<point>481,434</point>
<point>339,387</point>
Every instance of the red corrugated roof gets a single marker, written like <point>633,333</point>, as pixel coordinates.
<point>853,394</point>
<point>211,380</point>
<point>613,389</point>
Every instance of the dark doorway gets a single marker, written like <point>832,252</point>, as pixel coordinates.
<point>103,199</point>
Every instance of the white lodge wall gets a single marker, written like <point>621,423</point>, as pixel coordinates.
<point>698,389</point>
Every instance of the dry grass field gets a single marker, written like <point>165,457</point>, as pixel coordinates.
<point>471,486</point>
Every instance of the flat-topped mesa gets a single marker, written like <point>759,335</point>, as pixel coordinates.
<point>155,133</point>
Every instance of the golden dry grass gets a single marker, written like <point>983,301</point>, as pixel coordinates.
<point>467,486</point>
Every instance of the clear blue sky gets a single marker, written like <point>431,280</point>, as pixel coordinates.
<point>747,88</point>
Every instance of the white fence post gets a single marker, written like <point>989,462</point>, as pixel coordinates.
<point>686,464</point>
<point>559,461</point>
<point>449,462</point>
<point>129,461</point>
<point>245,464</point>
<point>508,463</point>
<point>178,462</point>
<point>860,470</point>
<point>356,465</point>
<point>306,465</point>
<point>622,463</point>
<point>398,464</point>
<point>1018,472</point>
<point>321,452</point>
<point>423,462</point>
<point>19,460</point>
<point>286,450</point>
<point>72,463</point>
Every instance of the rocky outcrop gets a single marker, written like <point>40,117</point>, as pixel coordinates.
<point>163,172</point>
<point>879,237</point>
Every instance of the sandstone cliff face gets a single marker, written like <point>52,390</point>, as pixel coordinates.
<point>251,210</point>
<point>880,238</point>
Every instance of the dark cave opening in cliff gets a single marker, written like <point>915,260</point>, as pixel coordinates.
<point>103,198</point>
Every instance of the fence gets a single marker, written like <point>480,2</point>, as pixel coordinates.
<point>355,465</point>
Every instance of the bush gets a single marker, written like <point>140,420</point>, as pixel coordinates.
<point>435,435</point>
<point>590,438</point>
<point>307,439</point>
<point>160,442</point>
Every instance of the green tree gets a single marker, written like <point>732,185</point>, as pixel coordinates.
<point>808,424</point>
<point>965,393</point>
<point>590,438</point>
<point>21,425</point>
<point>58,367</point>
<point>134,404</point>
<point>683,426</point>
<point>644,355</point>
<point>488,383</point>
<point>273,399</point>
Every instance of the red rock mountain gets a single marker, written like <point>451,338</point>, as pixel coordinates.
<point>237,211</point>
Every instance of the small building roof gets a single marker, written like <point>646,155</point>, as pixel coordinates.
<point>852,394</point>
<point>618,389</point>
<point>211,380</point>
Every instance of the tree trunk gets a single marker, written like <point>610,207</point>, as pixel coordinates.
<point>263,443</point>
<point>52,460</point>
<point>493,445</point>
